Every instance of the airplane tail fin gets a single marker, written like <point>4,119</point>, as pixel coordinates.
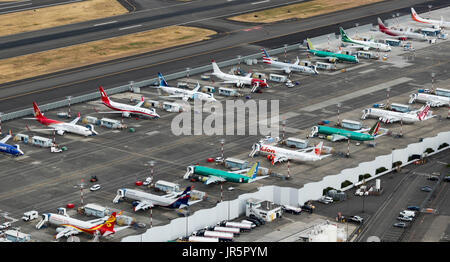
<point>216,68</point>
<point>423,113</point>
<point>415,16</point>
<point>309,45</point>
<point>183,198</point>
<point>105,98</point>
<point>375,128</point>
<point>162,81</point>
<point>381,25</point>
<point>37,112</point>
<point>108,226</point>
<point>344,36</point>
<point>253,171</point>
<point>266,57</point>
<point>318,149</point>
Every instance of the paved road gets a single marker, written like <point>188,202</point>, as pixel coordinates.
<point>24,5</point>
<point>239,41</point>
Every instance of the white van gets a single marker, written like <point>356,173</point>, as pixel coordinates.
<point>408,213</point>
<point>30,215</point>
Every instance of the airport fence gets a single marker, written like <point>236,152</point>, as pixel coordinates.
<point>193,71</point>
<point>229,210</point>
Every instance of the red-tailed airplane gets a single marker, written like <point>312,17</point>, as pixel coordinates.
<point>401,34</point>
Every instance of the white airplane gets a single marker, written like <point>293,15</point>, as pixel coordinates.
<point>440,23</point>
<point>184,93</point>
<point>147,200</point>
<point>432,100</point>
<point>70,226</point>
<point>400,33</point>
<point>365,45</point>
<point>278,154</point>
<point>239,81</point>
<point>127,110</point>
<point>387,116</point>
<point>288,67</point>
<point>62,127</point>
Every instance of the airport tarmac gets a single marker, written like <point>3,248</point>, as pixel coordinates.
<point>44,181</point>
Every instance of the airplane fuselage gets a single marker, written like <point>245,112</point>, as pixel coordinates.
<point>231,177</point>
<point>433,99</point>
<point>287,67</point>
<point>342,57</point>
<point>188,93</point>
<point>289,154</point>
<point>10,149</point>
<point>403,34</point>
<point>163,201</point>
<point>147,113</point>
<point>386,114</point>
<point>326,130</point>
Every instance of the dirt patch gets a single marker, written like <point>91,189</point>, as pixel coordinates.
<point>302,10</point>
<point>36,19</point>
<point>55,60</point>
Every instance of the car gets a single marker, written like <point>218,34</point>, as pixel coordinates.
<point>95,187</point>
<point>94,179</point>
<point>357,219</point>
<point>326,200</point>
<point>291,209</point>
<point>219,159</point>
<point>446,179</point>
<point>5,225</point>
<point>413,208</point>
<point>404,218</point>
<point>147,181</point>
<point>254,221</point>
<point>258,218</point>
<point>400,224</point>
<point>307,208</point>
<point>426,188</point>
<point>433,178</point>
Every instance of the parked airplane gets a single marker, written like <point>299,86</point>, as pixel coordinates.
<point>239,81</point>
<point>440,23</point>
<point>215,175</point>
<point>71,226</point>
<point>62,127</point>
<point>147,200</point>
<point>391,116</point>
<point>365,45</point>
<point>400,33</point>
<point>278,154</point>
<point>330,56</point>
<point>336,134</point>
<point>288,67</point>
<point>10,149</point>
<point>184,93</point>
<point>432,100</point>
<point>127,110</point>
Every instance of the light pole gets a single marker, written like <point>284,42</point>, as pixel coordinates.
<point>152,165</point>
<point>392,159</point>
<point>222,141</point>
<point>429,8</point>
<point>433,74</point>
<point>338,107</point>
<point>283,122</point>
<point>187,72</point>
<point>397,16</point>
<point>356,28</point>
<point>69,114</point>
<point>285,50</point>
<point>1,114</point>
<point>387,95</point>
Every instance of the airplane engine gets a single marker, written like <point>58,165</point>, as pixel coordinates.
<point>287,70</point>
<point>126,114</point>
<point>332,59</point>
<point>366,48</point>
<point>60,132</point>
<point>270,157</point>
<point>59,229</point>
<point>413,98</point>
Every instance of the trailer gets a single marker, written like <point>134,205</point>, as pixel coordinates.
<point>208,89</point>
<point>277,78</point>
<point>325,66</point>
<point>166,186</point>
<point>233,230</point>
<point>241,226</point>
<point>111,123</point>
<point>222,236</point>
<point>393,42</point>
<point>400,107</point>
<point>228,91</point>
<point>236,163</point>
<point>90,120</point>
<point>442,92</point>
<point>296,142</point>
<point>202,239</point>
<point>172,107</point>
<point>350,124</point>
<point>41,141</point>
<point>96,210</point>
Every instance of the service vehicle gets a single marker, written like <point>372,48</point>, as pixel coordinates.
<point>406,219</point>
<point>408,213</point>
<point>95,187</point>
<point>5,225</point>
<point>400,224</point>
<point>30,215</point>
<point>291,209</point>
<point>357,219</point>
<point>426,188</point>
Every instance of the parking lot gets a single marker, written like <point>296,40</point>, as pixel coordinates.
<point>43,181</point>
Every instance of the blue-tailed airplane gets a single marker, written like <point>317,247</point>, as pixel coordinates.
<point>10,149</point>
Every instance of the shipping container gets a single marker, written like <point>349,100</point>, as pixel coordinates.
<point>166,186</point>
<point>350,124</point>
<point>235,163</point>
<point>296,142</point>
<point>278,78</point>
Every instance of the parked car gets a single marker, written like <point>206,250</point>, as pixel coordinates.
<point>95,187</point>
<point>93,179</point>
<point>446,179</point>
<point>408,213</point>
<point>219,159</point>
<point>326,200</point>
<point>5,225</point>
<point>254,221</point>
<point>307,208</point>
<point>433,178</point>
<point>426,188</point>
<point>291,209</point>
<point>403,218</point>
<point>357,219</point>
<point>258,218</point>
<point>413,208</point>
<point>400,224</point>
<point>147,181</point>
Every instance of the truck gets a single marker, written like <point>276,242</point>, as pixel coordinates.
<point>202,239</point>
<point>233,230</point>
<point>241,226</point>
<point>222,236</point>
<point>408,213</point>
<point>30,215</point>
<point>96,210</point>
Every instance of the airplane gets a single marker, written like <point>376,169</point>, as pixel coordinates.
<point>432,100</point>
<point>184,93</point>
<point>10,149</point>
<point>391,116</point>
<point>278,154</point>
<point>62,127</point>
<point>127,110</point>
<point>288,67</point>
<point>216,175</point>
<point>440,23</point>
<point>365,45</point>
<point>239,81</point>
<point>332,57</point>
<point>336,134</point>
<point>147,200</point>
<point>402,34</point>
<point>71,226</point>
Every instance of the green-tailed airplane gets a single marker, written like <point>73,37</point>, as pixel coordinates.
<point>336,134</point>
<point>365,45</point>
<point>330,55</point>
<point>212,175</point>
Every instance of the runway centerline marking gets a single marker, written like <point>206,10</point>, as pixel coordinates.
<point>129,27</point>
<point>260,2</point>
<point>106,23</point>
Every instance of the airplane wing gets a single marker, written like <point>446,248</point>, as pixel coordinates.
<point>66,232</point>
<point>389,120</point>
<point>3,141</point>
<point>229,82</point>
<point>338,137</point>
<point>140,103</point>
<point>197,88</point>
<point>279,158</point>
<point>214,179</point>
<point>248,75</point>
<point>73,122</point>
<point>143,205</point>
<point>190,203</point>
